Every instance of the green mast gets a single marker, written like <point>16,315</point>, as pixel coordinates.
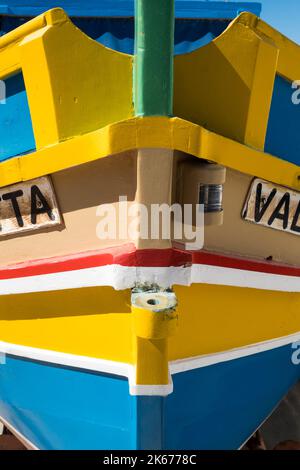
<point>154,47</point>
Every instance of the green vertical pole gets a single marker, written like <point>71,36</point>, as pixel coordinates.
<point>154,50</point>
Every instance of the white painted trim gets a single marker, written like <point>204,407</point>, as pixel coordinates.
<point>128,370</point>
<point>191,363</point>
<point>88,363</point>
<point>26,442</point>
<point>125,277</point>
<point>241,278</point>
<point>117,276</point>
<point>150,390</point>
<point>80,362</point>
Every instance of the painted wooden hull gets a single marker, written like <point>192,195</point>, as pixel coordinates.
<point>230,365</point>
<point>212,407</point>
<point>79,369</point>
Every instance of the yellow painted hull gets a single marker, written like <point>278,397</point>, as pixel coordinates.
<point>67,318</point>
<point>97,321</point>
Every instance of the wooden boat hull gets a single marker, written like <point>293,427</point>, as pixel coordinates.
<point>65,407</point>
<point>68,379</point>
<point>83,365</point>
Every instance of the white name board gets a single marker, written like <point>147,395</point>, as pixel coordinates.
<point>273,206</point>
<point>28,206</point>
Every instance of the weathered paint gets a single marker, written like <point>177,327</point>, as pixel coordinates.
<point>154,321</point>
<point>99,319</point>
<point>154,48</point>
<point>273,206</point>
<point>28,206</point>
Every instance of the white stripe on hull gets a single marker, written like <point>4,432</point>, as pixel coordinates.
<point>191,363</point>
<point>124,277</point>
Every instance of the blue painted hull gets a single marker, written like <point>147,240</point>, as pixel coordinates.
<point>214,407</point>
<point>219,407</point>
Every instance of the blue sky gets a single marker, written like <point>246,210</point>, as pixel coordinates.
<point>283,15</point>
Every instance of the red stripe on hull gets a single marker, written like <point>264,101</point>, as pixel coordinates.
<point>127,255</point>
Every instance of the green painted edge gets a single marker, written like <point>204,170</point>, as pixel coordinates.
<point>154,57</point>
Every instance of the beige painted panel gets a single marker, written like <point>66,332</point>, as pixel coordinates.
<point>79,191</point>
<point>238,236</point>
<point>154,186</point>
<point>142,177</point>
